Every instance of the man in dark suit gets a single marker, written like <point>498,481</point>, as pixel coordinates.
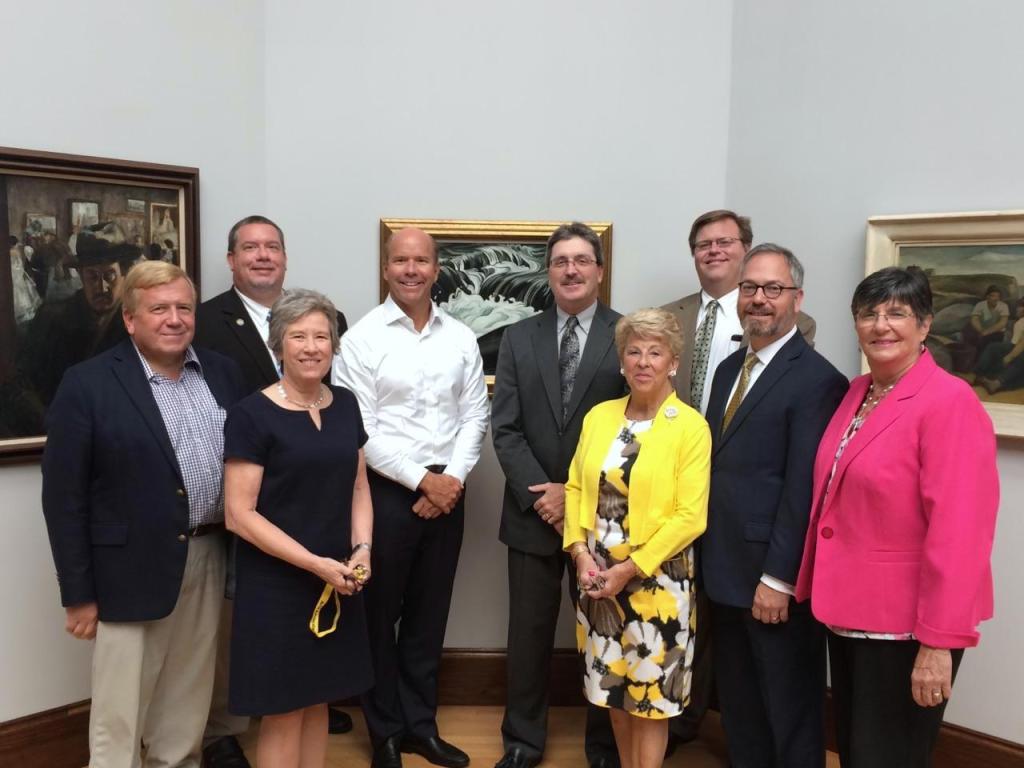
<point>236,323</point>
<point>133,499</point>
<point>769,405</point>
<point>552,369</point>
<point>711,332</point>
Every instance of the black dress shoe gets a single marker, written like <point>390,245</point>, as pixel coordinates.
<point>437,751</point>
<point>225,752</point>
<point>338,721</point>
<point>387,755</point>
<point>516,758</point>
<point>605,762</point>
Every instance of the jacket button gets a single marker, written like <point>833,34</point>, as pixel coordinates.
<point>826,533</point>
<point>181,537</point>
<point>181,491</point>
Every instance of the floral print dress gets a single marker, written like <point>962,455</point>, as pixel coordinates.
<point>638,646</point>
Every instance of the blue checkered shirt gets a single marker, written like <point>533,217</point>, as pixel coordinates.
<point>195,424</point>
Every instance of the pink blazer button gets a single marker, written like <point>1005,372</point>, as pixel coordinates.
<point>826,533</point>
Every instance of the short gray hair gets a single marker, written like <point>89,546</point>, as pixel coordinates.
<point>796,269</point>
<point>292,306</point>
<point>649,324</point>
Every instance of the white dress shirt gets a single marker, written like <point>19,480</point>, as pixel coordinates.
<point>764,357</point>
<point>422,394</point>
<point>583,321</point>
<point>727,325</point>
<point>260,318</point>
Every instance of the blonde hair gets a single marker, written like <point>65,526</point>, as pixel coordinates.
<point>649,324</point>
<point>150,274</point>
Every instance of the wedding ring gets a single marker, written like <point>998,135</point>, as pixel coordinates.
<point>936,694</point>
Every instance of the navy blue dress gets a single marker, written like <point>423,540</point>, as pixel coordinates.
<point>277,664</point>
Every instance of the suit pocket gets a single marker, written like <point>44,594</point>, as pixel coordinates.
<point>109,534</point>
<point>894,556</point>
<point>761,532</point>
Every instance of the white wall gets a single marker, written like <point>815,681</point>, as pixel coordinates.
<point>841,111</point>
<point>179,83</point>
<point>462,109</point>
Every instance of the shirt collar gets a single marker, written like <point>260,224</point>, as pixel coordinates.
<point>191,361</point>
<point>254,307</point>
<point>727,303</point>
<point>765,354</point>
<point>394,313</point>
<point>584,318</point>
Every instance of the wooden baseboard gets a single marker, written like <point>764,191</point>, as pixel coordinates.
<point>58,738</point>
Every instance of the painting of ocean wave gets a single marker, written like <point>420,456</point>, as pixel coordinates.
<point>489,286</point>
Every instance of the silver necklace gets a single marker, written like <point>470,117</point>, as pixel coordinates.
<point>307,406</point>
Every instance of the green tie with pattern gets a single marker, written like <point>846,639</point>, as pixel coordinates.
<point>701,352</point>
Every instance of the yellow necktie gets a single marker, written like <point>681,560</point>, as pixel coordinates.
<point>741,389</point>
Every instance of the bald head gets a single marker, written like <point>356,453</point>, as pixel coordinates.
<point>410,237</point>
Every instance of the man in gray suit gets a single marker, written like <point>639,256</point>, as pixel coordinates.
<point>552,369</point>
<point>711,332</point>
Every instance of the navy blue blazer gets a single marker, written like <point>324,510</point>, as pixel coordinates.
<point>761,469</point>
<point>113,494</point>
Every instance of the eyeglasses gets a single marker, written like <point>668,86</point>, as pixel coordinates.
<point>701,246</point>
<point>562,262</point>
<point>771,291</point>
<point>891,318</point>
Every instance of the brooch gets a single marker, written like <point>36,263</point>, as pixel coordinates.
<point>671,412</point>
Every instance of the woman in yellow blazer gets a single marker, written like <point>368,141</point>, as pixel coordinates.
<point>635,500</point>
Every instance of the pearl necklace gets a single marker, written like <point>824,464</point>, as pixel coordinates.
<point>307,406</point>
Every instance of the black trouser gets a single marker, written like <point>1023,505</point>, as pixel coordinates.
<point>771,687</point>
<point>878,724</point>
<point>534,599</point>
<point>414,562</point>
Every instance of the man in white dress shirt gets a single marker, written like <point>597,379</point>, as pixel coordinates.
<point>418,375</point>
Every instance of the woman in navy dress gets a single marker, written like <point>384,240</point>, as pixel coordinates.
<point>297,497</point>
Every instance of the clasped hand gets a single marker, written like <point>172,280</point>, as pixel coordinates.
<point>599,584</point>
<point>440,494</point>
<point>342,576</point>
<point>551,505</point>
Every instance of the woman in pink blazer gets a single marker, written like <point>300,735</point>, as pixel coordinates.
<point>896,560</point>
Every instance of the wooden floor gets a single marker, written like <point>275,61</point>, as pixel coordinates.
<point>477,730</point>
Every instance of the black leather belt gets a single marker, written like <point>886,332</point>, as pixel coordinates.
<point>205,529</point>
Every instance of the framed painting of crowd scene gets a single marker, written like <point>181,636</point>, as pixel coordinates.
<point>975,265</point>
<point>74,226</point>
<point>493,273</point>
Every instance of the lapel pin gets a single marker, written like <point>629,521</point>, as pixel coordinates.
<point>239,321</point>
<point>671,412</point>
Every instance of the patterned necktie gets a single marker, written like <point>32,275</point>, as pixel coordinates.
<point>568,361</point>
<point>741,389</point>
<point>701,352</point>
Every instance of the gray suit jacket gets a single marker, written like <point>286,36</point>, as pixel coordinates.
<point>532,442</point>
<point>686,310</point>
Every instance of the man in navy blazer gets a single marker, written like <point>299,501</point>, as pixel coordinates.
<point>769,405</point>
<point>133,499</point>
<point>534,441</point>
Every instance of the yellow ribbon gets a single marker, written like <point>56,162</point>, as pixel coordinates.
<point>314,622</point>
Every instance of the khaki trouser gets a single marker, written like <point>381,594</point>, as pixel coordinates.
<point>152,680</point>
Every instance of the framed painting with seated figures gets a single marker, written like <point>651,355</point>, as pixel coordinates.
<point>975,265</point>
<point>493,273</point>
<point>74,226</point>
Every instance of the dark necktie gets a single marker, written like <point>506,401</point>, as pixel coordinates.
<point>701,353</point>
<point>568,361</point>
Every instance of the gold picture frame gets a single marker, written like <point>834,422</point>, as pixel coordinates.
<point>521,241</point>
<point>964,254</point>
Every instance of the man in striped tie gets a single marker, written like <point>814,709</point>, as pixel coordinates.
<point>770,402</point>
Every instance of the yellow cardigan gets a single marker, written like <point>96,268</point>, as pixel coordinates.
<point>668,486</point>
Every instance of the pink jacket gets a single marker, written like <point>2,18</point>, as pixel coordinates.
<point>903,540</point>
